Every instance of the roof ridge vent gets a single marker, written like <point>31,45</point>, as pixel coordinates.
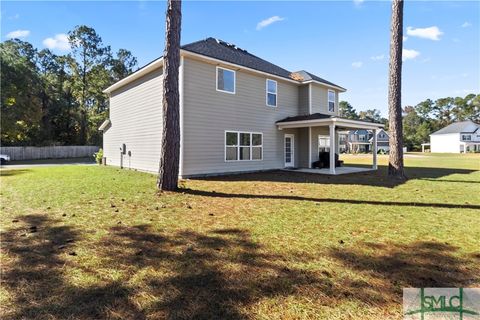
<point>230,45</point>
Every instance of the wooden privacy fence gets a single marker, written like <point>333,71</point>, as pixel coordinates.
<point>52,152</point>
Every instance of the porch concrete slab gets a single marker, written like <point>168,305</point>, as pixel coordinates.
<point>338,170</point>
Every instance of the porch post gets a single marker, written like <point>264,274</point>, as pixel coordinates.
<point>332,148</point>
<point>310,147</point>
<point>337,142</point>
<point>374,149</point>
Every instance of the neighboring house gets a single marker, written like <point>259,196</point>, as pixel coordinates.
<point>456,138</point>
<point>238,113</point>
<point>360,141</point>
<point>382,140</point>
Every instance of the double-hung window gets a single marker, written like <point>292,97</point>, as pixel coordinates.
<point>225,80</point>
<point>271,93</point>
<point>331,101</point>
<point>243,146</point>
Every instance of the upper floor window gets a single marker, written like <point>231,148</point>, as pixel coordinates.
<point>466,137</point>
<point>225,80</point>
<point>271,93</point>
<point>331,101</point>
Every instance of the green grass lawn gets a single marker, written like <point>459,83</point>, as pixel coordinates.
<point>91,242</point>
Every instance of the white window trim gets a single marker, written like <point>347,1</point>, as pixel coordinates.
<point>292,148</point>
<point>327,140</point>
<point>267,92</point>
<point>334,100</point>
<point>238,146</point>
<point>234,80</point>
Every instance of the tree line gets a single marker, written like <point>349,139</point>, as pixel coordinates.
<point>423,119</point>
<point>57,99</point>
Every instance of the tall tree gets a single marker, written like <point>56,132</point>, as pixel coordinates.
<point>170,152</point>
<point>370,115</point>
<point>20,103</point>
<point>123,65</point>
<point>395,165</point>
<point>89,51</point>
<point>346,110</point>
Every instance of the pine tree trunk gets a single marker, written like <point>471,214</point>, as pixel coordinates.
<point>170,152</point>
<point>395,165</point>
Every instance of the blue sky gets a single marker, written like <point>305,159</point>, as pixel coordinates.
<point>346,42</point>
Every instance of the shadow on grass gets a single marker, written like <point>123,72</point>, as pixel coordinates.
<point>216,194</point>
<point>454,181</point>
<point>42,253</point>
<point>377,178</point>
<point>189,275</point>
<point>392,267</point>
<point>12,172</point>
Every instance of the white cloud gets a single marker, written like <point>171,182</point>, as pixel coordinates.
<point>379,57</point>
<point>466,24</point>
<point>358,2</point>
<point>409,54</point>
<point>59,41</point>
<point>432,33</point>
<point>405,38</point>
<point>18,34</point>
<point>265,23</point>
<point>14,17</point>
<point>357,64</point>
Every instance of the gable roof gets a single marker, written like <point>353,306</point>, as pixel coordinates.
<point>225,51</point>
<point>459,127</point>
<point>230,53</point>
<point>307,76</point>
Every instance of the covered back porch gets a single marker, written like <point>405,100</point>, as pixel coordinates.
<point>306,136</point>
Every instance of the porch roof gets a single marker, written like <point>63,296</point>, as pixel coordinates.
<point>320,119</point>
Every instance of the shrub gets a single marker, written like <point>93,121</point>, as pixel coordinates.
<point>98,156</point>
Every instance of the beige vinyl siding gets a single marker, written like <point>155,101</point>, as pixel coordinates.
<point>320,100</point>
<point>209,113</point>
<point>302,148</point>
<point>303,100</point>
<point>136,117</point>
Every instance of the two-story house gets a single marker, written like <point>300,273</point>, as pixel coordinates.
<point>458,137</point>
<point>361,141</point>
<point>238,113</point>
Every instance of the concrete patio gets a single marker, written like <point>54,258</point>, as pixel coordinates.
<point>338,170</point>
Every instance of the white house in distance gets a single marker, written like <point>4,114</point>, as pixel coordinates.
<point>459,137</point>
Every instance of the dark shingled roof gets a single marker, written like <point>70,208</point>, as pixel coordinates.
<point>313,116</point>
<point>458,127</point>
<point>225,51</point>
<point>319,116</point>
<point>310,76</point>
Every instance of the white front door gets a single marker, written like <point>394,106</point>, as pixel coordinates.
<point>289,150</point>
